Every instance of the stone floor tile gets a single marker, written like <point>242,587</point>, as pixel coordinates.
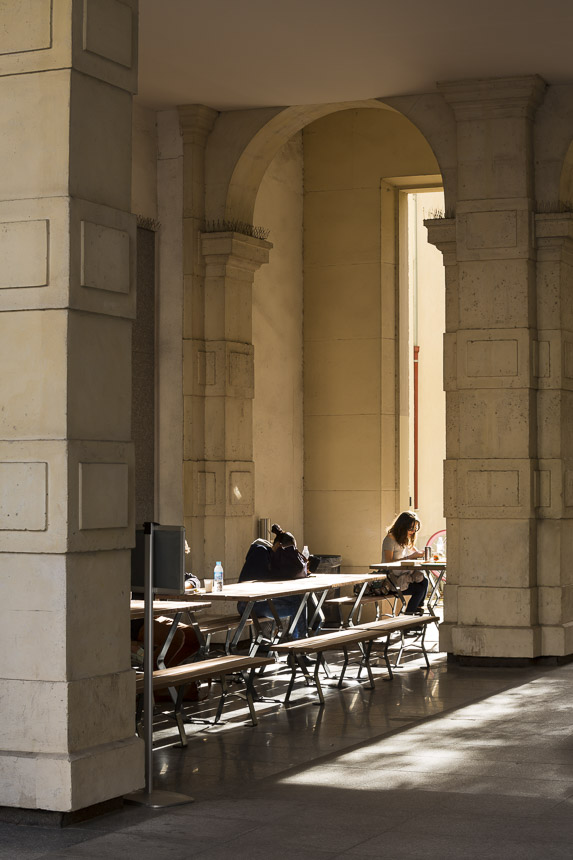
<point>20,842</point>
<point>483,756</point>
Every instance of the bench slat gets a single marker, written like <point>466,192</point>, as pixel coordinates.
<point>174,676</point>
<point>400,622</point>
<point>325,641</point>
<point>358,633</point>
<point>349,600</point>
<point>221,622</point>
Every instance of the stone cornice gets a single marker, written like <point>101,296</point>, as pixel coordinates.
<point>494,98</point>
<point>244,251</point>
<point>553,225</point>
<point>442,234</point>
<point>196,123</point>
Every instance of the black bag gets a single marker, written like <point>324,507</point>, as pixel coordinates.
<point>379,588</point>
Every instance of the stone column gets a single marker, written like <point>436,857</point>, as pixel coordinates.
<point>491,471</point>
<point>196,122</point>
<point>67,298</point>
<point>218,370</point>
<point>555,439</point>
<point>219,476</point>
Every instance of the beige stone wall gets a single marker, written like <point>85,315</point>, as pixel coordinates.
<point>350,215</point>
<point>277,338</point>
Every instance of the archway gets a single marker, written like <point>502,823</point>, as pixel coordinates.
<point>383,420</point>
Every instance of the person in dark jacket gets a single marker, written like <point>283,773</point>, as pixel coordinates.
<point>278,560</point>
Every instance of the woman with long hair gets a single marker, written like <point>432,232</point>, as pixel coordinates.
<point>400,543</point>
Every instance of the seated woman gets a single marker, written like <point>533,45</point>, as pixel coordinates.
<point>399,544</point>
<point>278,560</point>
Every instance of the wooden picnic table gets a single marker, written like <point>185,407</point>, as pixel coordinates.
<point>316,585</point>
<point>407,566</point>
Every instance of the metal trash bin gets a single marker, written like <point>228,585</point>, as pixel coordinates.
<point>330,564</point>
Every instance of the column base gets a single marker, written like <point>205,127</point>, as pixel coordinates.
<point>511,643</point>
<point>508,662</point>
<point>49,818</point>
<point>499,642</point>
<point>68,783</point>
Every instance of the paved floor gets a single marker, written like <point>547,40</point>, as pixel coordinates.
<point>447,763</point>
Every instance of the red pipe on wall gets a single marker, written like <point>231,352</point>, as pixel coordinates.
<point>416,354</point>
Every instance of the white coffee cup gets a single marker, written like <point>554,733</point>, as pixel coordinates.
<point>208,583</point>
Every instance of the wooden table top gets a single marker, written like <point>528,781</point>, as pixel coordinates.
<point>414,564</point>
<point>259,589</point>
<point>165,607</point>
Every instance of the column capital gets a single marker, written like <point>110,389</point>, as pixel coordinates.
<point>494,98</point>
<point>442,234</point>
<point>196,123</point>
<point>245,252</point>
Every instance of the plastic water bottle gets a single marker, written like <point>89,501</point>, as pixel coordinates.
<point>218,577</point>
<point>305,552</point>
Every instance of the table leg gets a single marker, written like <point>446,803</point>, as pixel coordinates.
<point>247,611</point>
<point>295,617</point>
<point>169,639</point>
<point>356,607</point>
<point>318,613</point>
<point>431,603</point>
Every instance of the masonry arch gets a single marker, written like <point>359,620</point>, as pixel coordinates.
<point>247,178</point>
<point>243,144</point>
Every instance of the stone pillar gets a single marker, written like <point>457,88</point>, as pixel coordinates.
<point>196,122</point>
<point>219,476</point>
<point>555,439</point>
<point>491,471</point>
<point>67,299</point>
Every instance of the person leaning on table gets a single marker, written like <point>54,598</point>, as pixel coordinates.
<point>399,544</point>
<point>278,560</point>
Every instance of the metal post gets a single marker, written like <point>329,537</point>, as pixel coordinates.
<point>148,658</point>
<point>147,796</point>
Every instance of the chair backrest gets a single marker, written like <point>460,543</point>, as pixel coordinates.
<point>438,542</point>
<point>439,545</point>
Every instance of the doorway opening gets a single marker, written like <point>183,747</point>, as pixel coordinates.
<point>422,327</point>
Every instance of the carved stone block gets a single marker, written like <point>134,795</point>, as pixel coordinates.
<point>495,358</point>
<point>105,258</point>
<point>24,251</point>
<point>23,496</point>
<point>495,488</point>
<point>103,495</point>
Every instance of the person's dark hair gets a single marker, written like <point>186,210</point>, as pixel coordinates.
<point>281,537</point>
<point>401,526</point>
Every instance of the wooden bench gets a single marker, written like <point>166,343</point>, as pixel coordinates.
<point>178,677</point>
<point>414,625</point>
<point>361,636</point>
<point>350,601</point>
